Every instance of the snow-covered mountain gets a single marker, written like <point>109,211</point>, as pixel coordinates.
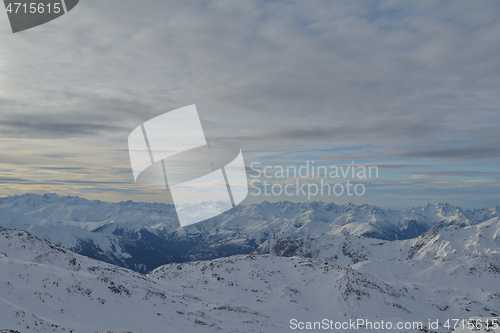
<point>445,244</point>
<point>143,236</point>
<point>446,273</point>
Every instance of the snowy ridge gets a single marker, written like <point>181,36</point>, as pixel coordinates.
<point>476,241</point>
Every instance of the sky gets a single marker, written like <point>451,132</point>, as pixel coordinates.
<point>409,87</point>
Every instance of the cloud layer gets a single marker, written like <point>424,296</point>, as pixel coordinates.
<point>387,82</point>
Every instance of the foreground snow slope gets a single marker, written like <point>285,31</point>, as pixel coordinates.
<point>444,274</point>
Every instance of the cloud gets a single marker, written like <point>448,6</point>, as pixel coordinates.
<point>403,80</point>
<point>4,180</point>
<point>454,154</point>
<point>61,168</point>
<point>455,173</point>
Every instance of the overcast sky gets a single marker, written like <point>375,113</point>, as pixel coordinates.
<point>412,87</point>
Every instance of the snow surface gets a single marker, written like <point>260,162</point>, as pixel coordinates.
<point>449,273</point>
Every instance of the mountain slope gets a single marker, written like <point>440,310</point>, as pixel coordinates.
<point>45,288</point>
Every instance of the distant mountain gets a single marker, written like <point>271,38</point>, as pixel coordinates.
<point>449,273</point>
<point>143,236</point>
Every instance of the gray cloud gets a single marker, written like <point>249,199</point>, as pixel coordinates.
<point>63,168</point>
<point>12,180</point>
<point>401,166</point>
<point>454,154</point>
<point>457,173</point>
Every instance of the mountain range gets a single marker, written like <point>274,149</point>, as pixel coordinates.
<point>144,236</point>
